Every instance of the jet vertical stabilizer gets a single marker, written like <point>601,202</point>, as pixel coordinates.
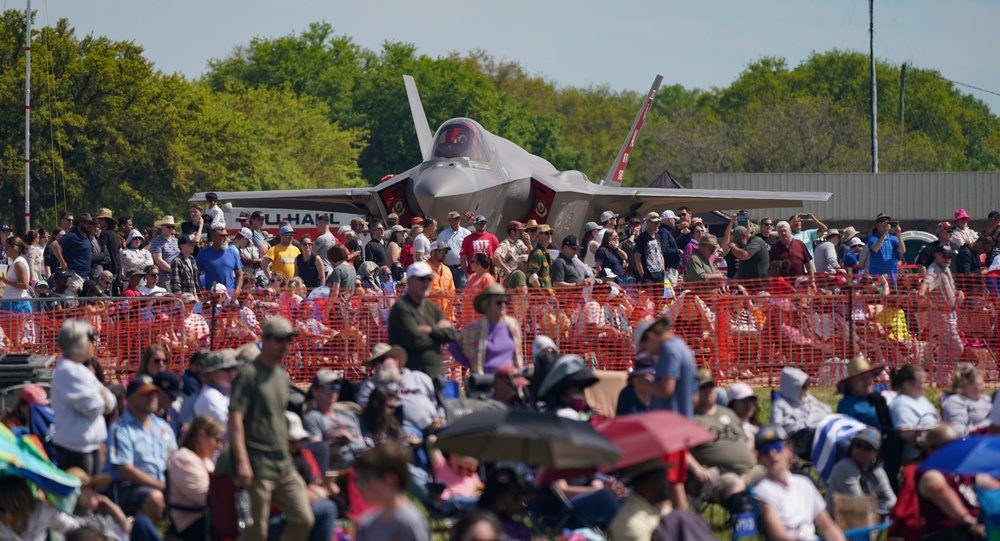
<point>424,135</point>
<point>617,171</point>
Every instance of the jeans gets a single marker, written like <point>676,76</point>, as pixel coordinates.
<point>288,493</point>
<point>458,273</point>
<point>457,504</point>
<point>143,529</point>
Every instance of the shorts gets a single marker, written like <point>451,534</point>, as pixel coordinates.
<point>17,307</point>
<point>129,497</point>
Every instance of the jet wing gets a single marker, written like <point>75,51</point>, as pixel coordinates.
<point>643,200</point>
<point>363,201</point>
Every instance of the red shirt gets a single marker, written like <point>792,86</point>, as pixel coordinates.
<point>796,253</point>
<point>479,243</point>
<point>131,293</point>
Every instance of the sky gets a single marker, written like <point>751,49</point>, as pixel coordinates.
<point>695,43</point>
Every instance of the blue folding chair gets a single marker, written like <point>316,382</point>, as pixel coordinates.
<point>864,534</point>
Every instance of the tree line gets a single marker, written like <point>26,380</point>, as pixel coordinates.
<point>316,110</point>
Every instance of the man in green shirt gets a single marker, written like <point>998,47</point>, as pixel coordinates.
<point>699,266</point>
<point>418,325</point>
<point>539,260</point>
<point>258,436</point>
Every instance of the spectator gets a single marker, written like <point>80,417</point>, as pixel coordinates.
<point>74,250</point>
<point>375,249</point>
<point>807,236</point>
<point>963,233</point>
<point>49,258</point>
<point>699,267</point>
<point>721,469</point>
<point>191,377</point>
<point>859,401</point>
<point>281,257</point>
<point>967,408</point>
<point>154,360</point>
<point>766,228</point>
<point>25,518</point>
<point>947,505</point>
<point>460,476</point>
<point>792,250</point>
<point>610,256</point>
<point>213,213</point>
<point>124,228</point>
<point>443,288</point>
<point>912,413</point>
<point>310,266</point>
<point>743,402</point>
<point>479,242</point>
<point>35,256</point>
<point>671,252</point>
<point>95,510</point>
<point>109,239</point>
<point>332,422</point>
<point>395,246</point>
<point>945,232</point>
<point>939,300</point>
<point>312,470</point>
<point>638,392</point>
<point>199,227</point>
<point>133,279</point>
<point>503,495</point>
<point>66,220</point>
<point>152,278</point>
<point>697,230</point>
<point>164,246</point>
<point>511,248</point>
<point>139,446</point>
<point>539,260</point>
<point>378,420</point>
<point>860,474</point>
<point>509,385</point>
<point>826,254</point>
<point>632,232</point>
<point>675,385</point>
<point>218,370</point>
<point>492,341</point>
<point>415,391</point>
<point>790,505</point>
<point>750,250</point>
<point>258,434</point>
<point>564,273</point>
<point>649,253</point>
<point>16,307</point>
<point>354,245</point>
<point>793,408</point>
<point>184,276</point>
<point>854,247</point>
<point>324,240</point>
<point>79,401</point>
<point>640,513</point>
<point>134,256</point>
<point>419,326</point>
<point>885,248</point>
<point>421,245</point>
<point>481,277</point>
<point>453,236</point>
<point>189,471</point>
<point>170,400</point>
<point>384,478</point>
<point>968,269</point>
<point>342,278</point>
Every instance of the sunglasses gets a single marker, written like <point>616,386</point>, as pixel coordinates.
<point>386,274</point>
<point>445,251</point>
<point>153,274</point>
<point>332,387</point>
<point>549,233</point>
<point>532,230</point>
<point>170,226</point>
<point>946,256</point>
<point>159,360</point>
<point>467,470</point>
<point>766,224</point>
<point>777,447</point>
<point>501,302</point>
<point>423,278</point>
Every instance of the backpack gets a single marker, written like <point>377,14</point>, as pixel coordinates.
<point>906,519</point>
<point>41,424</point>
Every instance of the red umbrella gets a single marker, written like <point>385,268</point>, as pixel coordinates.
<point>641,437</point>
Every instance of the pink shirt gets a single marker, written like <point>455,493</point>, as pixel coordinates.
<point>458,485</point>
<point>189,477</point>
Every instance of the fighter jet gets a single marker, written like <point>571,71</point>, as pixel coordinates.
<point>470,170</point>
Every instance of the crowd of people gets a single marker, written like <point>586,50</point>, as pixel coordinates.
<point>150,451</point>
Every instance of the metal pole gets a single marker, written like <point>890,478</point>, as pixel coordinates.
<point>27,117</point>
<point>874,92</point>
<point>902,104</point>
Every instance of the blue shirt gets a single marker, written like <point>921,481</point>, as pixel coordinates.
<point>677,361</point>
<point>77,251</point>
<point>861,409</point>
<point>219,266</point>
<point>884,260</point>
<point>850,260</point>
<point>130,443</point>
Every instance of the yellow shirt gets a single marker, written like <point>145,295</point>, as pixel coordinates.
<point>894,321</point>
<point>636,519</point>
<point>283,259</point>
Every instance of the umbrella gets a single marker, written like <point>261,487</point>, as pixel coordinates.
<point>979,454</point>
<point>653,434</point>
<point>528,437</point>
<point>25,458</point>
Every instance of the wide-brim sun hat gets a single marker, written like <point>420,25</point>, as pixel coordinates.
<point>857,366</point>
<point>484,296</point>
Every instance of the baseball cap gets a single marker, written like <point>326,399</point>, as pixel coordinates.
<point>246,233</point>
<point>397,229</point>
<point>86,217</point>
<point>277,327</point>
<point>440,245</point>
<point>169,383</point>
<point>34,394</point>
<point>652,217</point>
<point>607,215</point>
<point>218,360</point>
<point>856,242</point>
<point>993,214</point>
<point>869,435</point>
<point>142,384</point>
<point>453,215</point>
<point>285,229</point>
<point>768,435</point>
<point>883,217</point>
<point>41,283</point>
<point>357,221</point>
<point>480,219</point>
<point>257,215</point>
<point>668,215</point>
<point>186,239</point>
<point>739,391</point>
<point>606,272</point>
<point>5,228</point>
<point>591,226</point>
<point>739,231</point>
<point>326,376</point>
<point>704,377</point>
<point>542,343</point>
<point>571,240</point>
<point>295,430</point>
<point>63,273</point>
<point>211,196</point>
<point>944,226</point>
<point>419,269</point>
<point>643,365</point>
<point>643,326</point>
<point>417,220</point>
<point>514,224</point>
<point>243,217</point>
<point>545,228</point>
<point>510,371</point>
<point>946,249</point>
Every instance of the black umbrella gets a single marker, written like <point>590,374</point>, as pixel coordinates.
<point>528,437</point>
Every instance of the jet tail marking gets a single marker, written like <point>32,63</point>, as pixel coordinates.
<point>424,135</point>
<point>617,171</point>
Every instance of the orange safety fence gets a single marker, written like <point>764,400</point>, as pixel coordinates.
<point>744,331</point>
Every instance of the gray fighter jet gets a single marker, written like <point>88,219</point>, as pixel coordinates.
<point>472,171</point>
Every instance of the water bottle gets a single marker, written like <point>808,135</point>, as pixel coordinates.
<point>244,516</point>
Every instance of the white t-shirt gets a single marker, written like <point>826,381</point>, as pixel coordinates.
<point>422,245</point>
<point>218,218</point>
<point>797,505</point>
<point>910,413</point>
<point>322,245</point>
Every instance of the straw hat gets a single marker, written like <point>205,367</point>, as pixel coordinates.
<point>858,365</point>
<point>385,350</point>
<point>849,233</point>
<point>484,296</point>
<point>166,220</point>
<point>105,213</point>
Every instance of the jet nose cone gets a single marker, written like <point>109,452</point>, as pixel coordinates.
<point>446,187</point>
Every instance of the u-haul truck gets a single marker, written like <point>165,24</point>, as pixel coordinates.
<point>303,221</point>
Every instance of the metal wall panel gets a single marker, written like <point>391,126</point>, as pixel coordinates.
<point>914,197</point>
